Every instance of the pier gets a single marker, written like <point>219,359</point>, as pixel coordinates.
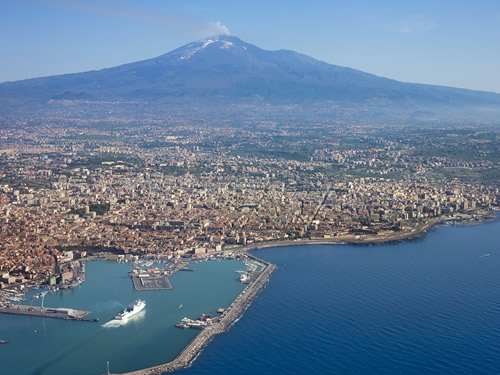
<point>151,283</point>
<point>155,279</point>
<point>49,312</point>
<point>224,322</point>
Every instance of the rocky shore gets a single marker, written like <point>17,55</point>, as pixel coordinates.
<point>410,233</point>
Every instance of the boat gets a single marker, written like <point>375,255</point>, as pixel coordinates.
<point>244,278</point>
<point>205,317</point>
<point>131,310</point>
<point>189,323</point>
<point>76,283</point>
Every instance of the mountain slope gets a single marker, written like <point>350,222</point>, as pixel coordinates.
<point>228,69</point>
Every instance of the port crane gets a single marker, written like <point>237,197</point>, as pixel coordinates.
<point>43,298</point>
<point>33,297</point>
<point>31,303</point>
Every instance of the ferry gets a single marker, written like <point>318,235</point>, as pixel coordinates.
<point>131,310</point>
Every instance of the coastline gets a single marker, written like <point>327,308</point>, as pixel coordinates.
<point>233,313</point>
<point>394,237</point>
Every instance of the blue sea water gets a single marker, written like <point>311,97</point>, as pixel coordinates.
<point>430,306</point>
<point>42,346</point>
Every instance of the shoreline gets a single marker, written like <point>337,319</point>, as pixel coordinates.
<point>234,312</point>
<point>394,237</point>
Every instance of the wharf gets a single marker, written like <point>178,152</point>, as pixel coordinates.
<point>49,312</point>
<point>151,283</point>
<point>228,318</point>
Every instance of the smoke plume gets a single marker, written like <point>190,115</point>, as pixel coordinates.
<point>115,9</point>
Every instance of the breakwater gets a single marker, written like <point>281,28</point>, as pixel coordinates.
<point>228,317</point>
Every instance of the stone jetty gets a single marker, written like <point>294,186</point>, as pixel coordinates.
<point>228,317</point>
<point>48,312</point>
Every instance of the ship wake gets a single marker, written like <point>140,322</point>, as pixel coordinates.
<point>115,323</point>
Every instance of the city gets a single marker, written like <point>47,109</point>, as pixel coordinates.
<point>249,188</point>
<point>167,193</point>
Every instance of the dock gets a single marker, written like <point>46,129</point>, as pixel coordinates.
<point>48,312</point>
<point>154,279</point>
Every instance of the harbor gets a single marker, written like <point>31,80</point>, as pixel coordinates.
<point>216,326</point>
<point>107,290</point>
<point>148,275</point>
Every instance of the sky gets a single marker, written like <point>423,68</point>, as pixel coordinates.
<point>443,42</point>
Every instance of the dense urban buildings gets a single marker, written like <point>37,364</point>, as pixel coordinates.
<point>168,192</point>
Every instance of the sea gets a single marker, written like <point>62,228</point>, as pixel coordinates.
<point>427,306</point>
<point>43,346</point>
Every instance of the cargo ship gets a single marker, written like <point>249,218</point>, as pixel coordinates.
<point>131,310</point>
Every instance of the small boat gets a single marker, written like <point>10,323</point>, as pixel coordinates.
<point>179,306</point>
<point>244,279</point>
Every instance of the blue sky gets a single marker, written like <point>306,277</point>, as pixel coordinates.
<point>453,43</point>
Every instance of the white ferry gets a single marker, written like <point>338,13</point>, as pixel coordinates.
<point>131,310</point>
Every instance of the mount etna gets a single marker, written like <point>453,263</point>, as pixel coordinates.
<point>226,72</point>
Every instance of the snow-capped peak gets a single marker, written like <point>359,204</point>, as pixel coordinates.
<point>195,48</point>
<point>226,44</point>
<point>185,53</point>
